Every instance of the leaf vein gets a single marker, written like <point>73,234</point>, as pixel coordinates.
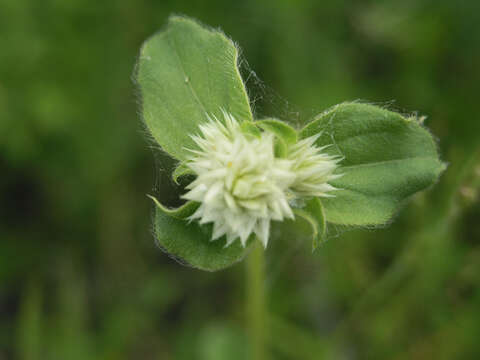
<point>173,44</point>
<point>385,162</point>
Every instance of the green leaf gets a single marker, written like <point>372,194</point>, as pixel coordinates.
<point>280,129</point>
<point>189,242</point>
<point>313,213</point>
<point>184,73</point>
<point>387,158</point>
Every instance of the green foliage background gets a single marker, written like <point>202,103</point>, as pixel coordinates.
<point>80,275</point>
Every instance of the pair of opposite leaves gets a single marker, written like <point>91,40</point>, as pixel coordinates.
<point>187,71</point>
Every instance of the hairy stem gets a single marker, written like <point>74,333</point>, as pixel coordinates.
<point>256,316</point>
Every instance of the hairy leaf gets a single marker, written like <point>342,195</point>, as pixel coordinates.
<point>189,242</point>
<point>184,73</point>
<point>387,158</point>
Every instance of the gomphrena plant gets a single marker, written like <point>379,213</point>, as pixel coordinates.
<point>352,165</point>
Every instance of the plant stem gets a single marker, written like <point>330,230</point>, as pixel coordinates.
<point>256,317</point>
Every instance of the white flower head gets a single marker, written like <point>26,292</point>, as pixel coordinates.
<point>240,184</point>
<point>313,169</point>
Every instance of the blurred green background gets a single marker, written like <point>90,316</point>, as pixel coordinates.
<point>80,274</point>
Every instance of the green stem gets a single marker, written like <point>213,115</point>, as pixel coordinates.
<point>256,317</point>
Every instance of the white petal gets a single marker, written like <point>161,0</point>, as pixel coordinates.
<point>262,231</point>
<point>197,193</point>
<point>212,193</point>
<point>218,230</point>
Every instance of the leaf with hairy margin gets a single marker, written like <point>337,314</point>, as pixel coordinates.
<point>387,159</point>
<point>190,243</point>
<point>184,73</point>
